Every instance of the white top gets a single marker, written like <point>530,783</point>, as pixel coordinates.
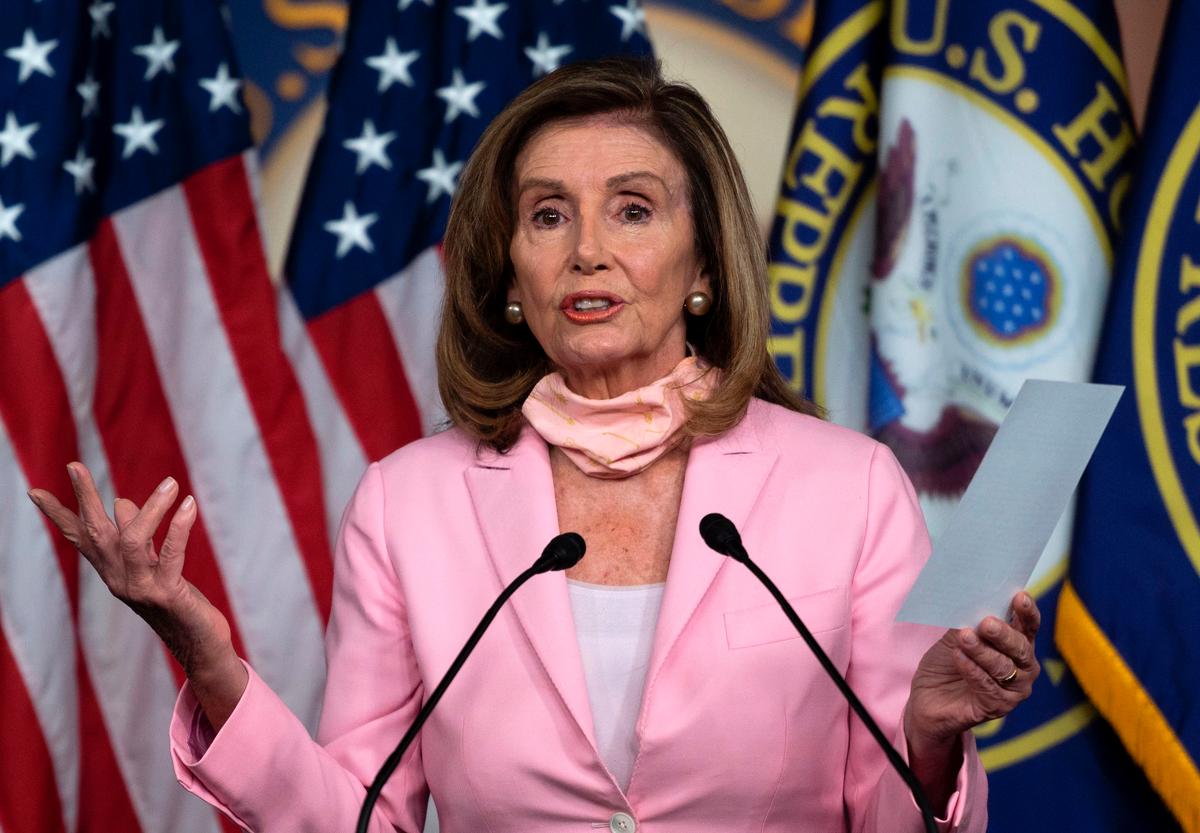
<point>615,627</point>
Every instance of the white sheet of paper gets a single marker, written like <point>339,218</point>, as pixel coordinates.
<point>992,542</point>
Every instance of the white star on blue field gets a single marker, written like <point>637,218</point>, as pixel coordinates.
<point>77,145</point>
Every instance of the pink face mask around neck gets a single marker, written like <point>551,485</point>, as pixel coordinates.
<point>621,436</point>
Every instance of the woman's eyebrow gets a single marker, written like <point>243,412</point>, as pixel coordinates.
<point>633,176</point>
<point>541,182</point>
<point>613,182</point>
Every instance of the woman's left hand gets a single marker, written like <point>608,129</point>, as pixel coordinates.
<point>967,677</point>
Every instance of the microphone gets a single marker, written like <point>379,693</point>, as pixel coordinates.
<point>722,536</point>
<point>563,552</point>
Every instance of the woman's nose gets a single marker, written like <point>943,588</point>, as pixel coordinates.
<point>591,251</point>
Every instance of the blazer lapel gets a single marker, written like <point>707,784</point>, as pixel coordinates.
<point>513,498</point>
<point>723,475</point>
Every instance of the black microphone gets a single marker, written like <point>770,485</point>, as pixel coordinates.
<point>563,552</point>
<point>722,536</point>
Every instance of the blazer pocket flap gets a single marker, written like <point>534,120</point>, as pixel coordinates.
<point>825,610</point>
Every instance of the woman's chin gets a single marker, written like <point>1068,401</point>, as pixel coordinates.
<point>604,374</point>
<point>594,351</point>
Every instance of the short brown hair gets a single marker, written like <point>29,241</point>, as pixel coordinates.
<point>486,367</point>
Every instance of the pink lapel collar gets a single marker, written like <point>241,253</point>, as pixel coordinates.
<point>513,497</point>
<point>726,475</point>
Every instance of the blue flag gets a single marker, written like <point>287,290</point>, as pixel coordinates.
<point>1130,613</point>
<point>945,229</point>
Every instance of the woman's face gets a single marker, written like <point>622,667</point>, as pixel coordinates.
<point>604,253</point>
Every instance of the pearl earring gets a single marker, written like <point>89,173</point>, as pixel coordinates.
<point>697,304</point>
<point>513,313</point>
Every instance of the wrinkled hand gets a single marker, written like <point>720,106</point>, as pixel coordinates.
<point>123,555</point>
<point>966,678</point>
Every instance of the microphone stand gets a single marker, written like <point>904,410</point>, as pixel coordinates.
<point>722,536</point>
<point>563,552</point>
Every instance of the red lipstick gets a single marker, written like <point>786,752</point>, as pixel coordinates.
<point>591,306</point>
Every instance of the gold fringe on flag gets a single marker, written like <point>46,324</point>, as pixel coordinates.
<point>1119,696</point>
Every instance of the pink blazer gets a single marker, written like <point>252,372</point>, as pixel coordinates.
<point>739,728</point>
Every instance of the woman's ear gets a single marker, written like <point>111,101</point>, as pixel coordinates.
<point>701,284</point>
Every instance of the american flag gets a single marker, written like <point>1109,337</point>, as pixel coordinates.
<point>141,334</point>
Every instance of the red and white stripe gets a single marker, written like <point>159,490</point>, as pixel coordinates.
<point>241,503</point>
<point>378,350</point>
<point>411,302</point>
<point>38,636</point>
<point>342,456</point>
<point>158,347</point>
<point>118,646</point>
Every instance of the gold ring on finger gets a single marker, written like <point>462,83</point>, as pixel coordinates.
<point>1012,675</point>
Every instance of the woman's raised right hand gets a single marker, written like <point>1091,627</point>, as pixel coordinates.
<point>151,583</point>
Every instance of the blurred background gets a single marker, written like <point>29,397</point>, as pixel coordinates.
<point>219,237</point>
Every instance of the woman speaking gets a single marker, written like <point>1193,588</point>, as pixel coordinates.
<point>603,360</point>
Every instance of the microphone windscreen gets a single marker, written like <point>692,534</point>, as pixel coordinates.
<point>564,551</point>
<point>720,534</point>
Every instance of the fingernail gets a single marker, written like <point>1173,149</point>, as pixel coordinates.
<point>1026,602</point>
<point>992,628</point>
<point>71,472</point>
<point>969,638</point>
<point>29,495</point>
<point>188,503</point>
<point>166,485</point>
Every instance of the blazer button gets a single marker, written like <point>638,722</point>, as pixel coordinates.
<point>622,823</point>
